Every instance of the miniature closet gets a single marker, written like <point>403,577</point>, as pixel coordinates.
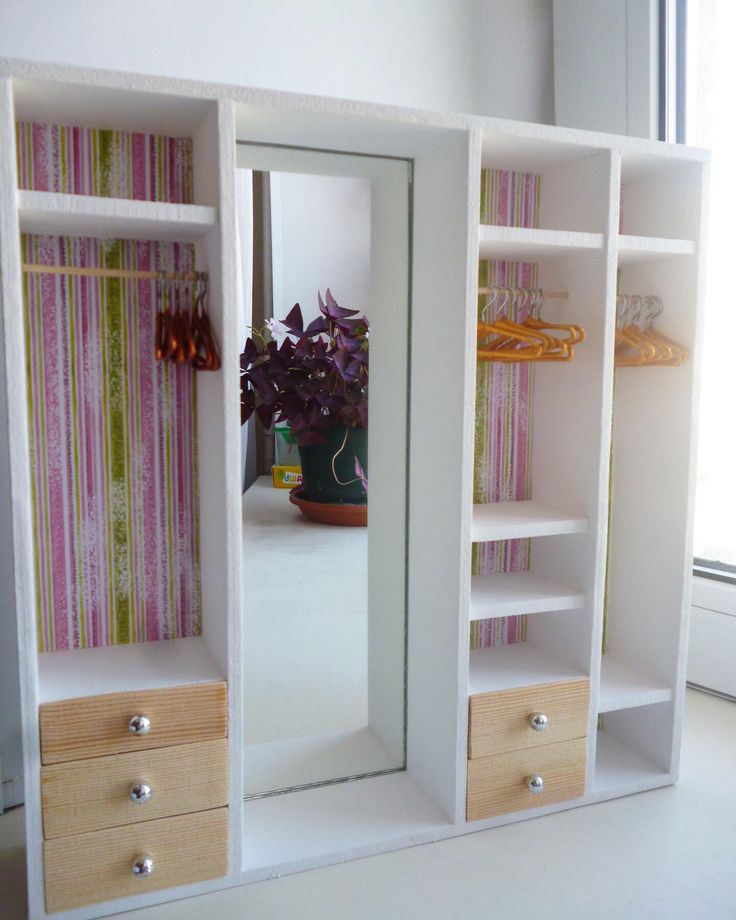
<point>548,518</point>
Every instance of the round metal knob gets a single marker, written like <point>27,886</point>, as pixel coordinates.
<point>538,721</point>
<point>143,866</point>
<point>140,793</point>
<point>535,784</point>
<point>139,725</point>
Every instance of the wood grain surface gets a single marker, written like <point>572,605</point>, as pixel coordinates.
<point>94,726</point>
<point>497,785</point>
<point>499,721</point>
<point>87,795</point>
<point>96,867</point>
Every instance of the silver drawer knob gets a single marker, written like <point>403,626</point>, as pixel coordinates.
<point>535,783</point>
<point>538,721</point>
<point>143,866</point>
<point>140,793</point>
<point>139,725</point>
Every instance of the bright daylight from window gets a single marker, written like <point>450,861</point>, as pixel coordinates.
<point>712,82</point>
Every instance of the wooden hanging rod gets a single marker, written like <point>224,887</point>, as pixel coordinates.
<point>137,274</point>
<point>548,295</point>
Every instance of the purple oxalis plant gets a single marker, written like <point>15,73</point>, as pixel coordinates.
<point>316,378</point>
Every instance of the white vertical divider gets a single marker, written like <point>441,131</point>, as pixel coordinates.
<point>20,485</point>
<point>702,187</point>
<point>445,270</point>
<point>602,535</point>
<point>219,444</point>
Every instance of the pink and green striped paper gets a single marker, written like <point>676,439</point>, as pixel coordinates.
<point>503,403</point>
<point>110,164</point>
<point>113,450</point>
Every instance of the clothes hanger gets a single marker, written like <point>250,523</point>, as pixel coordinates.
<point>505,340</point>
<point>575,334</point>
<point>207,356</point>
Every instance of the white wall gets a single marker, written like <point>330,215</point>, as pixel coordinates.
<point>481,56</point>
<point>605,65</point>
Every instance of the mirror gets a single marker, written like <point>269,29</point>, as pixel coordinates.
<point>324,555</point>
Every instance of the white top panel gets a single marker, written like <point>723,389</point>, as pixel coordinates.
<point>120,668</point>
<point>529,245</point>
<point>516,520</point>
<point>96,97</point>
<point>115,218</point>
<point>519,592</point>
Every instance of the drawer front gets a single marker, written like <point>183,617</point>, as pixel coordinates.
<point>96,867</point>
<point>497,785</point>
<point>89,795</point>
<point>98,725</point>
<point>500,721</point>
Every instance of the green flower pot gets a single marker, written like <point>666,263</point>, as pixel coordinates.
<point>343,486</point>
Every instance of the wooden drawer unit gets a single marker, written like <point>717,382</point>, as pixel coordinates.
<point>96,867</point>
<point>502,720</point>
<point>78,729</point>
<point>88,795</point>
<point>499,784</point>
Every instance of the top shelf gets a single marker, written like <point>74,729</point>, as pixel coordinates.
<point>522,244</point>
<point>516,520</point>
<point>115,218</point>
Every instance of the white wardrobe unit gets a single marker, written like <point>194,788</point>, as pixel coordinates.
<point>493,735</point>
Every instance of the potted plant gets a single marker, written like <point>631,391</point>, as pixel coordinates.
<point>317,380</point>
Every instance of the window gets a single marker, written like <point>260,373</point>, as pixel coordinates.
<point>711,69</point>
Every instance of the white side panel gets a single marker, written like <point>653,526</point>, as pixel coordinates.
<point>20,485</point>
<point>219,442</point>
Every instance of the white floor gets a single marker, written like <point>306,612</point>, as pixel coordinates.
<point>662,855</point>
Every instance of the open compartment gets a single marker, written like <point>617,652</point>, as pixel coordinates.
<point>660,198</point>
<point>633,750</point>
<point>114,143</point>
<point>550,186</point>
<point>651,493</point>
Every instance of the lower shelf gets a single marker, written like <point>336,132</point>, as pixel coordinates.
<point>622,687</point>
<point>275,765</point>
<point>522,664</point>
<point>517,593</point>
<point>337,822</point>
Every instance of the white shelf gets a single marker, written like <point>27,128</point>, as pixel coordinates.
<point>115,218</point>
<point>519,592</point>
<point>520,665</point>
<point>632,249</point>
<point>332,823</point>
<point>275,765</point>
<point>624,688</point>
<point>516,520</point>
<point>523,244</point>
<point>121,668</point>
<point>621,770</point>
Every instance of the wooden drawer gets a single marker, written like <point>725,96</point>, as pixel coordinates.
<point>98,725</point>
<point>499,721</point>
<point>89,795</point>
<point>96,867</point>
<point>497,785</point>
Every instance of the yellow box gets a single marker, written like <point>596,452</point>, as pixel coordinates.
<point>286,477</point>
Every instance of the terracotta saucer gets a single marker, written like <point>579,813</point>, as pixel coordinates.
<point>342,515</point>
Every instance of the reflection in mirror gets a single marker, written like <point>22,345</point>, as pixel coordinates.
<point>324,617</point>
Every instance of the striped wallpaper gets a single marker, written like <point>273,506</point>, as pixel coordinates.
<point>503,403</point>
<point>111,164</point>
<point>113,448</point>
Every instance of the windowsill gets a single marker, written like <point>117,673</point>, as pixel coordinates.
<point>718,595</point>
